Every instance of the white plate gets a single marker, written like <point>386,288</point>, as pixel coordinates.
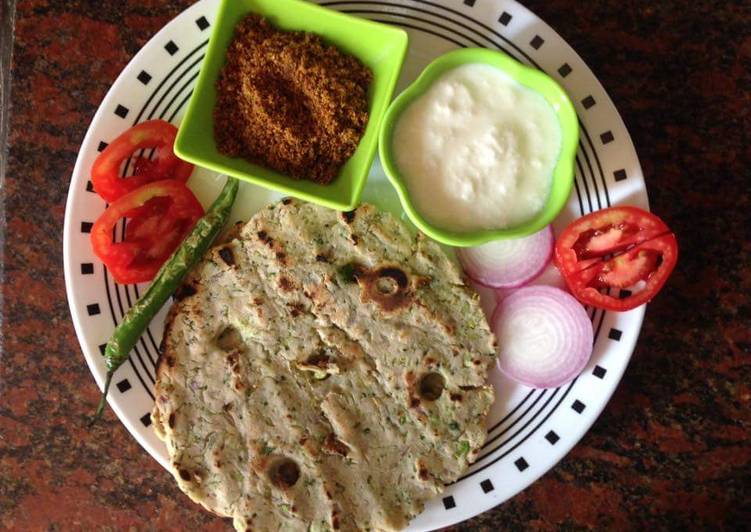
<point>530,430</point>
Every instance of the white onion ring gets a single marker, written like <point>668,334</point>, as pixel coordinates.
<point>549,276</point>
<point>544,336</point>
<point>508,263</point>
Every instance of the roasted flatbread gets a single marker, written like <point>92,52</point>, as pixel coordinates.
<point>323,371</point>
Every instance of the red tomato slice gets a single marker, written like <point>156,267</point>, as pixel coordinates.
<point>159,215</point>
<point>105,173</point>
<point>616,248</point>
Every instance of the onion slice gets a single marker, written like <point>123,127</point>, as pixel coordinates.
<point>549,276</point>
<point>544,336</point>
<point>508,263</point>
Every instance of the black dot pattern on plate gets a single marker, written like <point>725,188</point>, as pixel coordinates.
<point>521,464</point>
<point>623,294</point>
<point>578,406</point>
<point>93,309</point>
<point>615,334</point>
<point>469,3</point>
<point>87,268</point>
<point>89,186</point>
<point>102,146</point>
<point>448,502</point>
<point>144,77</point>
<point>564,70</point>
<point>102,347</point>
<point>502,20</point>
<point>599,372</point>
<point>146,420</point>
<point>202,23</point>
<point>487,486</point>
<point>86,227</point>
<point>537,42</point>
<point>620,175</point>
<point>121,111</point>
<point>607,137</point>
<point>552,437</point>
<point>124,386</point>
<point>171,48</point>
<point>588,102</point>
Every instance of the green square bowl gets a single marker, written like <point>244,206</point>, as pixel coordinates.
<point>378,46</point>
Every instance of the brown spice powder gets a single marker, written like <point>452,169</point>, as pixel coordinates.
<point>287,101</point>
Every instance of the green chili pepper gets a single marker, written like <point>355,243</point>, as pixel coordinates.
<point>167,280</point>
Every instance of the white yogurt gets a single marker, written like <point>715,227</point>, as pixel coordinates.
<point>477,150</point>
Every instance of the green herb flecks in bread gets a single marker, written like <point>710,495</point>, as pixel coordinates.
<point>323,370</point>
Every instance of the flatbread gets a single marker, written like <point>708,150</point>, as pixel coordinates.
<point>323,371</point>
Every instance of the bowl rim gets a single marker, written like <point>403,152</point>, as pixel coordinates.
<point>399,43</point>
<point>563,172</point>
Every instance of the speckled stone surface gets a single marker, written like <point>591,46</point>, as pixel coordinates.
<point>672,449</point>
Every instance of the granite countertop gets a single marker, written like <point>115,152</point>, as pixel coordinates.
<point>671,450</point>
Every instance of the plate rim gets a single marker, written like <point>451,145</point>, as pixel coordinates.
<point>477,506</point>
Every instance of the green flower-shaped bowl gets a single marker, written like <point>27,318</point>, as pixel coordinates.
<point>380,47</point>
<point>563,174</point>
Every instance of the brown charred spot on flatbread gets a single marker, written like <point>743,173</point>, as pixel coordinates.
<point>285,284</point>
<point>348,216</point>
<point>349,273</point>
<point>189,476</point>
<point>423,281</point>
<point>334,445</point>
<point>284,473</point>
<point>184,291</point>
<point>227,255</point>
<point>319,359</point>
<point>414,402</point>
<point>422,471</point>
<point>281,256</point>
<point>165,356</point>
<point>286,201</point>
<point>171,420</point>
<point>264,237</point>
<point>233,361</point>
<point>431,386</point>
<point>232,233</point>
<point>296,309</point>
<point>354,238</point>
<point>335,519</point>
<point>457,397</point>
<point>257,301</point>
<point>230,339</point>
<point>322,257</point>
<point>387,286</point>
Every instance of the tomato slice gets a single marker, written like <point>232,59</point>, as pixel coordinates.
<point>616,248</point>
<point>151,134</point>
<point>159,215</point>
